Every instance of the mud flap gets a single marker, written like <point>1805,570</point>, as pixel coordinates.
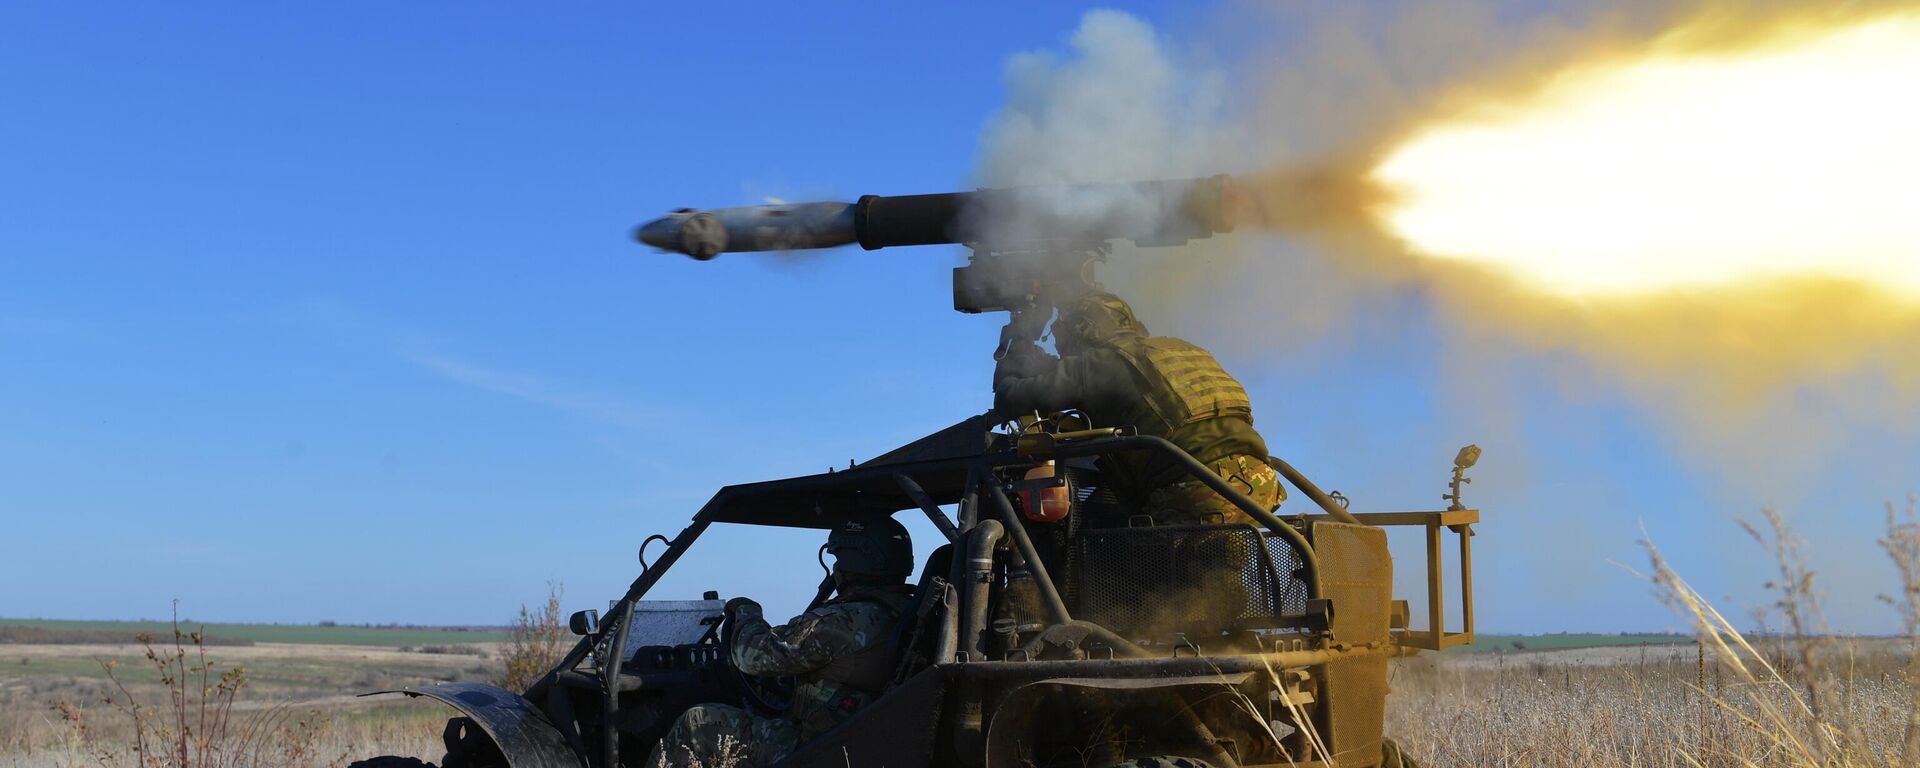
<point>524,735</point>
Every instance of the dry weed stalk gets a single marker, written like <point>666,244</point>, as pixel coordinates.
<point>1902,544</point>
<point>728,753</point>
<point>1792,694</point>
<point>538,641</point>
<point>196,726</point>
<point>1801,709</point>
<point>1804,712</point>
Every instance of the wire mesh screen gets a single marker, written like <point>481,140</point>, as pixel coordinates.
<point>1151,583</point>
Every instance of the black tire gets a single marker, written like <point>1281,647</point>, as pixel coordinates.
<point>390,761</point>
<point>1163,761</point>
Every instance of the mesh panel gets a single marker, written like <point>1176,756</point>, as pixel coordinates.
<point>1356,573</point>
<point>1151,583</point>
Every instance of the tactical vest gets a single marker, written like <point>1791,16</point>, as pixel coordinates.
<point>867,671</point>
<point>1181,383</point>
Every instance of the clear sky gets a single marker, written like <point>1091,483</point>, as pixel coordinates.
<point>329,312</point>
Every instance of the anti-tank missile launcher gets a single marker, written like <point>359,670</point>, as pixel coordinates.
<point>1033,247</point>
<point>1146,213</point>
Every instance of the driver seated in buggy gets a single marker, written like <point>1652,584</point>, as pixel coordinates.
<point>836,652</point>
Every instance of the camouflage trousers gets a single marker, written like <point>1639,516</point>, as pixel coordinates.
<point>716,735</point>
<point>1191,502</point>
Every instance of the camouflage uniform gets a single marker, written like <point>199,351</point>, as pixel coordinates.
<point>838,652</point>
<point>1191,501</point>
<point>1112,370</point>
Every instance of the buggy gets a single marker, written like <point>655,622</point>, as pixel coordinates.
<point>1093,637</point>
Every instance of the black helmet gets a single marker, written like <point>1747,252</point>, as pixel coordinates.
<point>875,547</point>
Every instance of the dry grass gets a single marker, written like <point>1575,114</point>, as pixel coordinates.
<point>296,735</point>
<point>92,699</point>
<point>1656,706</point>
<point>537,641</point>
<point>1799,695</point>
<point>175,706</point>
<point>292,705</point>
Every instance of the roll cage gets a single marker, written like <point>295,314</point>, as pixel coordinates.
<point>963,466</point>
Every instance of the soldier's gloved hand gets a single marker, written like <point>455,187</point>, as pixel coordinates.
<point>742,608</point>
<point>1021,360</point>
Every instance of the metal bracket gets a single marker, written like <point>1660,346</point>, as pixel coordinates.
<point>644,565</point>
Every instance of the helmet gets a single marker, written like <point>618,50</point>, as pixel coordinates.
<point>1096,318</point>
<point>876,547</point>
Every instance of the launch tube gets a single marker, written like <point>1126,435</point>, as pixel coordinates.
<point>1146,213</point>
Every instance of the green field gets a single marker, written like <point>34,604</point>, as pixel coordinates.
<point>281,633</point>
<point>1485,643</point>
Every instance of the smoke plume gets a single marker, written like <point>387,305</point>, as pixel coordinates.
<point>1119,106</point>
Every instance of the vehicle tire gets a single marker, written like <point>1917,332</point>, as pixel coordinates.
<point>1163,761</point>
<point>390,761</point>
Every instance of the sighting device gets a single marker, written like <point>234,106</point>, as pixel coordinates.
<point>1033,248</point>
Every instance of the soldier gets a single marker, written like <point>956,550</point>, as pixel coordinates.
<point>1111,369</point>
<point>838,652</point>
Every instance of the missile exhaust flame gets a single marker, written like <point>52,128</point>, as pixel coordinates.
<point>1677,171</point>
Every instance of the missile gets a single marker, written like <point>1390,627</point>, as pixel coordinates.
<point>1146,213</point>
<point>783,227</point>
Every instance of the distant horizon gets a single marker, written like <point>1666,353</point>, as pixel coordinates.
<point>491,627</point>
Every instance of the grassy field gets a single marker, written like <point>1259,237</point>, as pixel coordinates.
<point>1616,700</point>
<point>1484,643</point>
<point>1619,704</point>
<point>1655,706</point>
<point>279,633</point>
<point>305,678</point>
<point>55,709</point>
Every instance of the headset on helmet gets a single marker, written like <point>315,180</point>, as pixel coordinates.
<point>1102,316</point>
<point>875,547</point>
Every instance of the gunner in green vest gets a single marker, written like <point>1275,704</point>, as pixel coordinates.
<point>838,652</point>
<point>1113,370</point>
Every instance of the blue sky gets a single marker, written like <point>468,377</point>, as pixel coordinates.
<point>329,312</point>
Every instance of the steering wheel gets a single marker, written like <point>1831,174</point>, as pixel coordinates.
<point>770,695</point>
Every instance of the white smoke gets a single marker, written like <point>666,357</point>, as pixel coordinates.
<point>1121,105</point>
